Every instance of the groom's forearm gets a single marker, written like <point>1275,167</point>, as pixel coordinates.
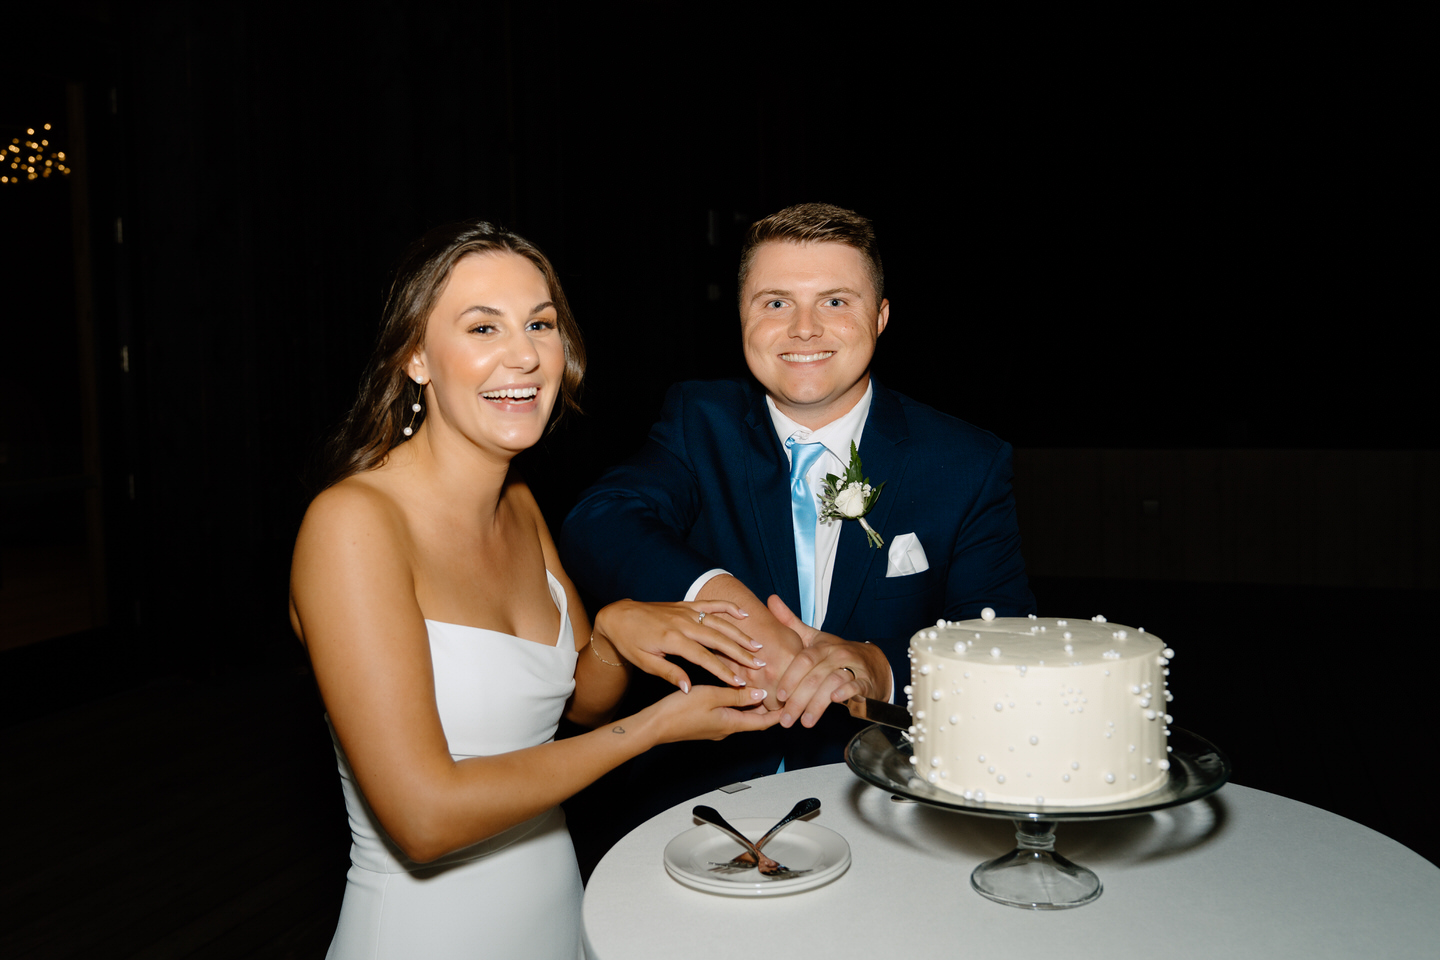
<point>779,643</point>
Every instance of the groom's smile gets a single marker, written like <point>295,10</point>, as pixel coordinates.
<point>809,321</point>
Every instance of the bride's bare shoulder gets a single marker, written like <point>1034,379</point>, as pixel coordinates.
<point>366,498</point>
<point>353,555</point>
<point>356,514</point>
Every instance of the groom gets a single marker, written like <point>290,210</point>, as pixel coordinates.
<point>721,504</point>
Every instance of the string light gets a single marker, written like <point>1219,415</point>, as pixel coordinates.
<point>26,159</point>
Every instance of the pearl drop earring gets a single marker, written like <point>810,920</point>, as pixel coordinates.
<point>415,407</point>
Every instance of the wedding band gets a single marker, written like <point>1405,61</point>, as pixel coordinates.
<point>852,673</point>
<point>701,619</point>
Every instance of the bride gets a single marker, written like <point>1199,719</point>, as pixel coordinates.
<point>445,637</point>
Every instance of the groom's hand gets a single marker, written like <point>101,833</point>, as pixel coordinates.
<point>829,670</point>
<point>779,643</point>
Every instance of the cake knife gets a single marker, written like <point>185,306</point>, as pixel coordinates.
<point>878,711</point>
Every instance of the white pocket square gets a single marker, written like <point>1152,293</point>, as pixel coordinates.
<point>906,556</point>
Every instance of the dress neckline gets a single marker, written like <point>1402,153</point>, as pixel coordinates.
<point>557,596</point>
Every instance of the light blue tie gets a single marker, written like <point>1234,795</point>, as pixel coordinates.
<point>802,514</point>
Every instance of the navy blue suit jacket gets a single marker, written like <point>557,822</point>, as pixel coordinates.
<point>710,489</point>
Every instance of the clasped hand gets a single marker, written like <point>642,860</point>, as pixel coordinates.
<point>803,669</point>
<point>827,670</point>
<point>646,633</point>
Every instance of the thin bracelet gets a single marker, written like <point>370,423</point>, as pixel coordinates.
<point>597,654</point>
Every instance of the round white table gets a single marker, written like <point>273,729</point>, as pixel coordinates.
<point>1240,874</point>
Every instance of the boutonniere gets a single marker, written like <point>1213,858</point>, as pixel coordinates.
<point>851,497</point>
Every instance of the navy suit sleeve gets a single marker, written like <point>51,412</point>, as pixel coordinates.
<point>626,537</point>
<point>986,568</point>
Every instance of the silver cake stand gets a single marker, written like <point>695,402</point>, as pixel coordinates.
<point>1033,875</point>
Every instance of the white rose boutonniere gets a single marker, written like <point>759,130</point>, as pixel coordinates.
<point>851,497</point>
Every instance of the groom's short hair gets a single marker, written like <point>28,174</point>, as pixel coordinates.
<point>816,223</point>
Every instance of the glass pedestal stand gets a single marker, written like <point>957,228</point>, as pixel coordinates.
<point>1033,876</point>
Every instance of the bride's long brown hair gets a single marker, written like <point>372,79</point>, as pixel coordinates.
<point>376,423</point>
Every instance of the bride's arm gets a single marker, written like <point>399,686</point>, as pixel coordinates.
<point>353,604</point>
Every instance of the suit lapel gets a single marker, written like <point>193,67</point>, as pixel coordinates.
<point>768,472</point>
<point>884,452</point>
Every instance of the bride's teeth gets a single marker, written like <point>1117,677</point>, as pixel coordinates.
<point>512,393</point>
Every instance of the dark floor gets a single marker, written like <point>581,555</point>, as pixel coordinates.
<point>175,819</point>
<point>168,818</point>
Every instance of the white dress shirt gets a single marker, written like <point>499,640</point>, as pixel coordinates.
<point>837,435</point>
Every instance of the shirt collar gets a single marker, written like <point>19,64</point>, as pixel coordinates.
<point>837,435</point>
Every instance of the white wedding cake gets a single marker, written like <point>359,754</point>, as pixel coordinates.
<point>1039,712</point>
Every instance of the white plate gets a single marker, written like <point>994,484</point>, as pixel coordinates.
<point>800,846</point>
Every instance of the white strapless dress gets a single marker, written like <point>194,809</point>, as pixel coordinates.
<point>514,895</point>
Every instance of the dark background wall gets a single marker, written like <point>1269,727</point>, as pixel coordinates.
<point>1192,236</point>
<point>1179,235</point>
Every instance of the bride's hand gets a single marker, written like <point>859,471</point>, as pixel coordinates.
<point>710,713</point>
<point>645,633</point>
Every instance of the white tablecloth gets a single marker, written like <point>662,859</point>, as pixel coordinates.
<point>1241,874</point>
